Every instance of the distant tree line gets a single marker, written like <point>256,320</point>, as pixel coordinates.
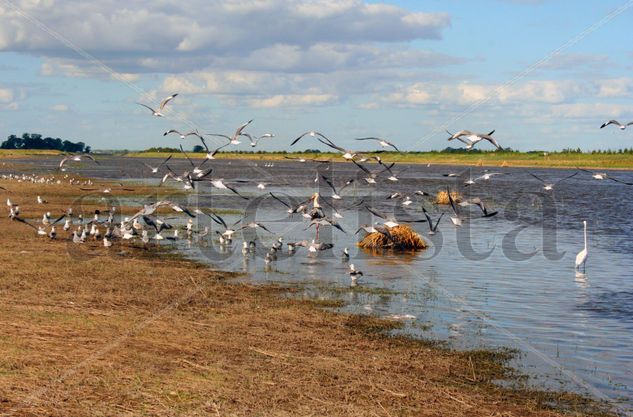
<point>36,141</point>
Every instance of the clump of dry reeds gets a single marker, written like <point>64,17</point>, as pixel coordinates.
<point>402,237</point>
<point>442,197</point>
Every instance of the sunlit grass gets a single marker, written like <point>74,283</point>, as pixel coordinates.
<point>499,159</point>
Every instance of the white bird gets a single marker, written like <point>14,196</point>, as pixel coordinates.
<point>234,140</point>
<point>161,106</point>
<point>75,158</point>
<point>548,186</point>
<point>471,139</point>
<point>381,142</point>
<point>354,273</point>
<point>155,169</point>
<point>457,221</point>
<point>581,258</point>
<point>618,124</point>
<point>183,135</point>
<point>255,139</point>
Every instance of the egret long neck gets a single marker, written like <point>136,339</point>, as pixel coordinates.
<point>585,236</point>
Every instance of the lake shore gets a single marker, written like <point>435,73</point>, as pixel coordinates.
<point>139,330</point>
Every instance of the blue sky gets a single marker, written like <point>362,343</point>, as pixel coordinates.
<point>405,70</point>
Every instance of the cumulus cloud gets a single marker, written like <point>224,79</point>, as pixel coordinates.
<point>6,95</point>
<point>591,110</point>
<point>575,62</point>
<point>169,35</point>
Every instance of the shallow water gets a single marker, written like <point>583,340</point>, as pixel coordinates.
<point>503,281</point>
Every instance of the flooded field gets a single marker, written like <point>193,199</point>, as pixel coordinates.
<point>508,280</point>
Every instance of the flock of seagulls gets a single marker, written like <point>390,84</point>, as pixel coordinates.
<point>146,225</point>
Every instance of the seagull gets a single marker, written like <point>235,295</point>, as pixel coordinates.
<point>345,255</point>
<point>581,258</point>
<point>255,139</point>
<point>183,135</point>
<point>471,139</point>
<point>381,142</point>
<point>329,182</point>
<point>234,140</point>
<point>311,133</point>
<point>488,175</point>
<point>390,221</point>
<point>604,176</point>
<point>457,221</point>
<point>615,122</point>
<point>253,225</point>
<point>371,177</point>
<point>155,169</point>
<point>354,273</point>
<point>550,186</point>
<point>347,155</point>
<point>432,227</point>
<point>161,106</point>
<point>477,202</point>
<point>313,246</point>
<point>307,159</point>
<point>211,155</point>
<point>75,158</point>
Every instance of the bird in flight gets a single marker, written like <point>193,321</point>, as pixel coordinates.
<point>161,106</point>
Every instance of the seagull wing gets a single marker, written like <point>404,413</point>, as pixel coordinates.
<point>567,177</point>
<point>21,220</point>
<point>166,100</point>
<point>189,159</point>
<point>279,199</point>
<point>375,212</point>
<point>362,167</point>
<point>239,130</point>
<point>380,140</point>
<point>332,145</point>
<point>540,179</point>
<point>610,122</point>
<point>147,107</point>
<point>620,181</point>
<point>59,219</point>
<point>451,201</point>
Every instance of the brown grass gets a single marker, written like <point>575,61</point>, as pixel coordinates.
<point>134,331</point>
<point>402,237</point>
<point>442,197</point>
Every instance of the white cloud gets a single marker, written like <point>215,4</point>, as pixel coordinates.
<point>6,95</point>
<point>591,110</point>
<point>173,37</point>
<point>59,107</point>
<point>617,87</point>
<point>292,100</point>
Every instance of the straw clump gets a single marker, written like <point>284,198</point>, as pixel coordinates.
<point>442,197</point>
<point>402,237</point>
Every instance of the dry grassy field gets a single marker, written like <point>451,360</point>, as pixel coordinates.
<point>135,330</point>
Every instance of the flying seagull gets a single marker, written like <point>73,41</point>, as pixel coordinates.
<point>615,122</point>
<point>255,139</point>
<point>470,139</point>
<point>183,135</point>
<point>155,169</point>
<point>234,140</point>
<point>548,186</point>
<point>381,142</point>
<point>75,158</point>
<point>604,176</point>
<point>432,227</point>
<point>312,133</point>
<point>161,106</point>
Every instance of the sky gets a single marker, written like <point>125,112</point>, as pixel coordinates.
<point>544,74</point>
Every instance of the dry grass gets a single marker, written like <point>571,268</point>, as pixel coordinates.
<point>442,197</point>
<point>86,331</point>
<point>402,237</point>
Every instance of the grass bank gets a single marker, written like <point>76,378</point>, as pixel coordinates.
<point>498,159</point>
<point>134,330</point>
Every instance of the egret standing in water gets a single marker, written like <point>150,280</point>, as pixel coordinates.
<point>581,258</point>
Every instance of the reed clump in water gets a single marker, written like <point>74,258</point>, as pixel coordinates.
<point>402,237</point>
<point>442,197</point>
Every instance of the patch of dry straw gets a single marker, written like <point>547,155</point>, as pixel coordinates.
<point>402,237</point>
<point>442,197</point>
